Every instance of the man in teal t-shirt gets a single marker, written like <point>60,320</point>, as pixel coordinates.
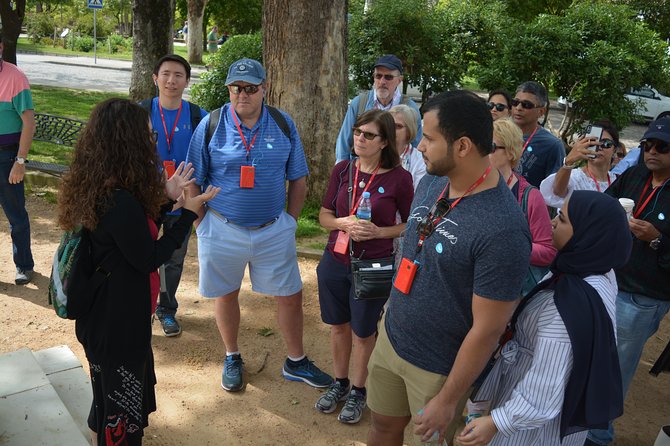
<point>17,126</point>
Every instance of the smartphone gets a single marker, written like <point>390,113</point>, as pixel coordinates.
<point>594,131</point>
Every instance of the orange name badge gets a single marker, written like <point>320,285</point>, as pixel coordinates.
<point>169,168</point>
<point>405,277</point>
<point>247,177</point>
<point>342,243</point>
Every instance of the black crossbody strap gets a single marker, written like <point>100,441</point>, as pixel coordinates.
<point>350,189</point>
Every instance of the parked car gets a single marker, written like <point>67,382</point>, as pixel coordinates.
<point>650,103</point>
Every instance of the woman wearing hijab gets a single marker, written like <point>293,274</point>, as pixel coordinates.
<point>559,374</point>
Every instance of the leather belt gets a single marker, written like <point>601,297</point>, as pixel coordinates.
<point>250,228</point>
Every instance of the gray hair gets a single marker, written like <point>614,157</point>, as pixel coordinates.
<point>536,89</point>
<point>410,117</point>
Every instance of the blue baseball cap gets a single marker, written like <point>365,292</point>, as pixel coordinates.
<point>246,70</point>
<point>389,61</point>
<point>659,129</point>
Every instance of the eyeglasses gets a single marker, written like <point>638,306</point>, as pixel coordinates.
<point>498,107</point>
<point>154,136</point>
<point>497,147</point>
<point>525,104</point>
<point>607,143</point>
<point>367,135</point>
<point>248,89</point>
<point>387,77</point>
<point>661,147</point>
<point>439,210</point>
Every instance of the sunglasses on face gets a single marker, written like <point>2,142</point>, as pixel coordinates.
<point>498,107</point>
<point>439,210</point>
<point>525,104</point>
<point>367,135</point>
<point>248,89</point>
<point>660,146</point>
<point>607,144</point>
<point>387,77</point>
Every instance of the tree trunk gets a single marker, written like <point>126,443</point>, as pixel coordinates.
<point>305,56</point>
<point>196,12</point>
<point>11,16</point>
<point>152,31</point>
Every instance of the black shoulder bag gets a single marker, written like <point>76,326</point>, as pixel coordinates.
<point>372,278</point>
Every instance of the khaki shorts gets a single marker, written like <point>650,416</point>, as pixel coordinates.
<point>397,388</point>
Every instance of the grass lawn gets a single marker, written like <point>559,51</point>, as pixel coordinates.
<point>26,45</point>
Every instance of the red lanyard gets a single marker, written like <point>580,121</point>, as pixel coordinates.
<point>244,140</point>
<point>609,182</point>
<point>528,141</point>
<point>640,208</point>
<point>169,137</point>
<point>354,202</point>
<point>509,180</point>
<point>481,179</point>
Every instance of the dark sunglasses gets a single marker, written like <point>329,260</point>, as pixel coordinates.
<point>439,210</point>
<point>607,143</point>
<point>367,135</point>
<point>660,146</point>
<point>387,77</point>
<point>525,104</point>
<point>498,107</point>
<point>154,136</point>
<point>248,89</point>
<point>496,147</point>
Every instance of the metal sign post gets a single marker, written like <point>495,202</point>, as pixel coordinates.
<point>95,5</point>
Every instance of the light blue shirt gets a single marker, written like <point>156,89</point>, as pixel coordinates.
<point>629,160</point>
<point>275,157</point>
<point>345,140</point>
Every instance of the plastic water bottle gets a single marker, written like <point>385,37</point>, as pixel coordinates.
<point>364,211</point>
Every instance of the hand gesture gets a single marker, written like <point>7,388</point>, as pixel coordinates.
<point>194,204</point>
<point>364,230</point>
<point>643,230</point>
<point>580,150</point>
<point>347,224</point>
<point>174,186</point>
<point>478,432</point>
<point>17,173</point>
<point>434,417</point>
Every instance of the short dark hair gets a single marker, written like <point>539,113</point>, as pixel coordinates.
<point>503,93</point>
<point>386,124</point>
<point>609,127</point>
<point>535,88</point>
<point>462,113</point>
<point>173,58</point>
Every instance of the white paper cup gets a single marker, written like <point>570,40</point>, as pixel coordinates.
<point>628,205</point>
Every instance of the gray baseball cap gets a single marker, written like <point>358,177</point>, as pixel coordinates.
<point>246,70</point>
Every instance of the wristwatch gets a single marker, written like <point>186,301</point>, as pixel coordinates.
<point>656,243</point>
<point>20,160</point>
<point>568,166</point>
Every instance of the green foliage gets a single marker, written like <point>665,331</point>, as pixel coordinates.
<point>40,25</point>
<point>235,16</point>
<point>655,13</point>
<point>116,43</point>
<point>81,43</point>
<point>592,54</point>
<point>437,43</point>
<point>211,92</point>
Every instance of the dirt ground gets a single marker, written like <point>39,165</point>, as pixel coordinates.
<point>192,407</point>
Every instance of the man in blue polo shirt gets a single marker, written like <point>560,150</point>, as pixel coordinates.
<point>384,95</point>
<point>173,120</point>
<point>250,156</point>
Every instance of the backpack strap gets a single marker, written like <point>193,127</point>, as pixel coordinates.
<point>362,102</point>
<point>280,120</point>
<point>213,122</point>
<point>196,115</point>
<point>524,200</point>
<point>147,105</point>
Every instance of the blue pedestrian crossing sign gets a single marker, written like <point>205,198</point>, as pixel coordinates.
<point>95,4</point>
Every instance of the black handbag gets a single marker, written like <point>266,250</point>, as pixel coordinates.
<point>372,278</point>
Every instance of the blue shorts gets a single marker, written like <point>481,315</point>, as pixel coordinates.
<point>225,249</point>
<point>336,298</point>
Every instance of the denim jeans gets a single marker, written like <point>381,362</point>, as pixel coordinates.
<point>167,303</point>
<point>637,318</point>
<point>13,202</point>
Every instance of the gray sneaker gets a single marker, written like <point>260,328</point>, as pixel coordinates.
<point>327,403</point>
<point>353,408</point>
<point>23,276</point>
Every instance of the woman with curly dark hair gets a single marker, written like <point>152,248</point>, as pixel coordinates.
<point>114,189</point>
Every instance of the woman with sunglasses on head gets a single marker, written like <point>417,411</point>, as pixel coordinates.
<point>594,175</point>
<point>376,170</point>
<point>500,104</point>
<point>507,147</point>
<point>114,189</point>
<point>406,128</point>
<point>559,374</point>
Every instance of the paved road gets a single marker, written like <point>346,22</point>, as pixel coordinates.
<point>114,75</point>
